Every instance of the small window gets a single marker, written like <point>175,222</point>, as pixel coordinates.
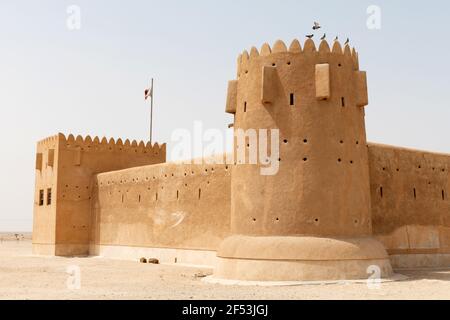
<point>41,197</point>
<point>245,106</point>
<point>343,101</point>
<point>292,99</point>
<point>49,196</point>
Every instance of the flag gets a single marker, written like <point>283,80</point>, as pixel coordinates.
<point>148,93</point>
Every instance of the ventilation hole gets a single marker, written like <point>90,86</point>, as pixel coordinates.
<point>443,195</point>
<point>384,169</point>
<point>122,198</point>
<point>339,160</point>
<point>288,63</point>
<point>226,167</point>
<point>199,193</point>
<point>343,102</point>
<point>443,170</point>
<point>316,220</point>
<point>245,106</point>
<point>341,142</point>
<point>156,196</point>
<point>357,142</point>
<point>356,221</point>
<point>291,98</point>
<point>279,160</point>
<point>277,219</point>
<point>305,159</point>
<point>178,194</point>
<point>139,198</point>
<point>351,161</point>
<point>274,64</point>
<point>305,140</point>
<point>339,65</point>
<point>420,167</point>
<point>415,193</point>
<point>285,141</point>
<point>254,219</point>
<point>398,169</point>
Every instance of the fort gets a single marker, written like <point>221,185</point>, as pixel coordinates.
<point>336,206</point>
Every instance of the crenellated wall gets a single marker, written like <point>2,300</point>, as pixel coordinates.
<point>182,211</point>
<point>411,204</point>
<point>76,160</point>
<point>332,208</point>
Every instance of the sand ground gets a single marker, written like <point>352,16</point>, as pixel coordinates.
<point>24,276</point>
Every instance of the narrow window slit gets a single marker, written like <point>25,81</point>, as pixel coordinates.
<point>381,192</point>
<point>343,101</point>
<point>199,193</point>
<point>443,195</point>
<point>245,106</point>
<point>41,198</point>
<point>292,99</point>
<point>415,193</point>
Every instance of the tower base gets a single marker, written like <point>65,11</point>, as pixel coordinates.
<point>301,258</point>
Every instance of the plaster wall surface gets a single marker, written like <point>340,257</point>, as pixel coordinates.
<point>76,160</point>
<point>411,204</point>
<point>183,207</point>
<point>44,220</point>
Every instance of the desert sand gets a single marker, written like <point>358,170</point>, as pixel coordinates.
<point>25,276</point>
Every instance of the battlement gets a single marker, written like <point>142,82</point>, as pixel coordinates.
<point>295,48</point>
<point>48,141</point>
<point>104,144</point>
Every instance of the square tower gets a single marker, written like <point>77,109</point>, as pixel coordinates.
<point>64,171</point>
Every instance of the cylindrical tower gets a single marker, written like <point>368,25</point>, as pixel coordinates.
<point>310,218</point>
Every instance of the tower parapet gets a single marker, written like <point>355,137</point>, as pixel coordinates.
<point>320,197</point>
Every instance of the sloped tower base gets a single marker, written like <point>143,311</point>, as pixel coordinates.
<point>249,258</point>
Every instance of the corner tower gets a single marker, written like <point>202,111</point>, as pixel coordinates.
<point>311,220</point>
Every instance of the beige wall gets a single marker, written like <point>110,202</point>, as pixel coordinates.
<point>44,217</point>
<point>405,222</point>
<point>77,160</point>
<point>162,206</point>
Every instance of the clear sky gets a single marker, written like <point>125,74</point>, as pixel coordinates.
<point>91,81</point>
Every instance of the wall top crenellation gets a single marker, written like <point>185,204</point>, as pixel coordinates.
<point>296,48</point>
<point>111,144</point>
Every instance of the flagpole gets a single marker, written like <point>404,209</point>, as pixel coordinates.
<point>151,113</point>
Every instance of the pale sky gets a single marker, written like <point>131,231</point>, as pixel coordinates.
<point>91,81</point>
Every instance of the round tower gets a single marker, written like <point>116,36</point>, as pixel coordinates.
<point>310,219</point>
